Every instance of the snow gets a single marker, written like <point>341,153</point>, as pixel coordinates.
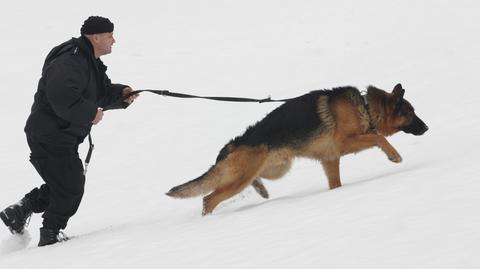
<point>421,213</point>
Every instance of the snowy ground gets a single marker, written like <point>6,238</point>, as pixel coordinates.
<point>422,213</point>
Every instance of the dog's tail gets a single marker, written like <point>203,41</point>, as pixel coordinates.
<point>204,183</point>
<point>199,186</point>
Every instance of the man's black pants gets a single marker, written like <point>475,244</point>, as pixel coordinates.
<point>62,170</point>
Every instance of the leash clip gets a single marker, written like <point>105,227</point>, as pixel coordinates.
<point>264,100</point>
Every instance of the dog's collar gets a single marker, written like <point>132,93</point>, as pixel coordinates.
<point>365,99</point>
<point>371,126</point>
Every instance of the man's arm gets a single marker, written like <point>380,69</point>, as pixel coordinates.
<point>115,92</point>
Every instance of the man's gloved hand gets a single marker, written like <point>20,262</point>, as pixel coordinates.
<point>130,99</point>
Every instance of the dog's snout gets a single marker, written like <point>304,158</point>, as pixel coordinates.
<point>423,130</point>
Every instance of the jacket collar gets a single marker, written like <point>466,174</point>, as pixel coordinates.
<point>86,47</point>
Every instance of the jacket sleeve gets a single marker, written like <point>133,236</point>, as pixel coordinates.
<point>113,98</point>
<point>65,82</point>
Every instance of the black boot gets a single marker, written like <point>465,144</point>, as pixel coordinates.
<point>50,237</point>
<point>17,216</point>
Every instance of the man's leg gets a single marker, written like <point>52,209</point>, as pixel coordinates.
<point>62,171</point>
<point>39,198</point>
<point>64,176</point>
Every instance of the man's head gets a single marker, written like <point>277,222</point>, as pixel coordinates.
<point>99,31</point>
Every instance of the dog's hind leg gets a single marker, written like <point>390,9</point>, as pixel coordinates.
<point>332,170</point>
<point>257,184</point>
<point>246,165</point>
<point>212,200</point>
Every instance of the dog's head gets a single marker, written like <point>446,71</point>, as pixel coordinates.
<point>401,114</point>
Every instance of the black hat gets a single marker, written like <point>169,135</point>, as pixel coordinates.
<point>96,25</point>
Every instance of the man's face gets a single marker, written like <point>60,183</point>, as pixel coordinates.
<point>102,43</point>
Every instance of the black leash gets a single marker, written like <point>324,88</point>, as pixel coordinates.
<point>184,95</point>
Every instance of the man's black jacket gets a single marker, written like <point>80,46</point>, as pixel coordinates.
<point>72,87</point>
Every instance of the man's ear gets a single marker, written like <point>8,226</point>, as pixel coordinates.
<point>94,38</point>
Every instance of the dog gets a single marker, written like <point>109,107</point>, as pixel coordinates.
<point>323,125</point>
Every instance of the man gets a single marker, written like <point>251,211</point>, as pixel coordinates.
<point>71,93</point>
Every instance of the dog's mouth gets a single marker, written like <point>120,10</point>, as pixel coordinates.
<point>417,127</point>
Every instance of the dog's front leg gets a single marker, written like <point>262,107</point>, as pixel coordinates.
<point>360,142</point>
<point>332,170</point>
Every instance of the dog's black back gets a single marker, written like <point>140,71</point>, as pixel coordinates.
<point>291,123</point>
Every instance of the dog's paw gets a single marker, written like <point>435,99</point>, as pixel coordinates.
<point>206,206</point>
<point>206,212</point>
<point>395,158</point>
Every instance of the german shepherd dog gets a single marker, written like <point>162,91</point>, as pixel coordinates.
<point>322,125</point>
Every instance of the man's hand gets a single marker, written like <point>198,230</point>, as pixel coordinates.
<point>130,99</point>
<point>98,116</point>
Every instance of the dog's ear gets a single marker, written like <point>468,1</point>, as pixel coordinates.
<point>398,92</point>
